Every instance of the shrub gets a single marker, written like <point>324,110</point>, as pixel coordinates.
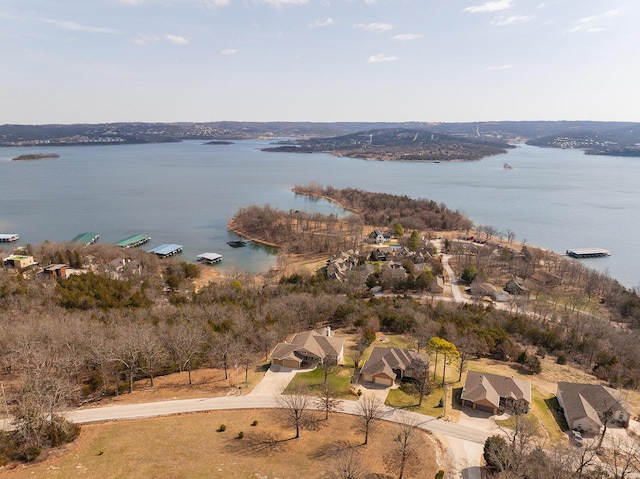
<point>222,428</point>
<point>561,359</point>
<point>495,448</point>
<point>240,435</point>
<point>440,474</point>
<point>254,423</point>
<point>28,453</point>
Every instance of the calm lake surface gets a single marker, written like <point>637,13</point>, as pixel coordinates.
<point>185,192</point>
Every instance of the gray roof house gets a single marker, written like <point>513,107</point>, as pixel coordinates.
<point>308,348</point>
<point>385,365</point>
<point>492,393</point>
<point>586,406</point>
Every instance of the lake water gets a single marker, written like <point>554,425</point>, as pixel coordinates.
<point>185,192</point>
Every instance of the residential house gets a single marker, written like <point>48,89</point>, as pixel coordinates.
<point>340,264</point>
<point>587,406</point>
<point>487,289</point>
<point>493,393</point>
<point>56,270</point>
<point>309,348</point>
<point>19,261</point>
<point>386,365</point>
<point>544,278</point>
<point>515,288</point>
<point>379,237</point>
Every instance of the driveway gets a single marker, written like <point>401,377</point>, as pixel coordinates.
<point>275,381</point>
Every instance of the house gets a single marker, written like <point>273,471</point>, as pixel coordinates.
<point>56,270</point>
<point>544,278</point>
<point>378,236</point>
<point>309,348</point>
<point>515,288</point>
<point>586,406</point>
<point>487,289</point>
<point>386,365</point>
<point>340,264</point>
<point>437,285</point>
<point>493,393</point>
<point>19,261</point>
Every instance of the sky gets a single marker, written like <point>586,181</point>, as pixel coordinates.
<point>95,61</point>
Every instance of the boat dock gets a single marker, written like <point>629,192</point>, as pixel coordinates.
<point>166,250</point>
<point>6,238</point>
<point>237,243</point>
<point>588,253</point>
<point>209,258</point>
<point>133,241</point>
<point>86,238</point>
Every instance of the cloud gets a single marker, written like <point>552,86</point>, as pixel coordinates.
<point>494,6</point>
<point>215,3</point>
<point>322,22</point>
<point>228,51</point>
<point>77,27</point>
<point>374,27</point>
<point>594,23</point>
<point>503,21</point>
<point>406,37</point>
<point>497,67</point>
<point>132,2</point>
<point>283,3</point>
<point>176,39</point>
<point>382,58</point>
<point>143,39</point>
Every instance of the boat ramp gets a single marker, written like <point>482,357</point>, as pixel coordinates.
<point>86,238</point>
<point>588,253</point>
<point>133,241</point>
<point>209,258</point>
<point>8,237</point>
<point>166,250</point>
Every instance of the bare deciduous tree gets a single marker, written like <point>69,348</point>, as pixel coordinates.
<point>327,401</point>
<point>294,406</point>
<point>403,457</point>
<point>370,409</point>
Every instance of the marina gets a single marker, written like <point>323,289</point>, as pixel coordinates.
<point>166,250</point>
<point>7,238</point>
<point>209,258</point>
<point>86,238</point>
<point>133,241</point>
<point>588,253</point>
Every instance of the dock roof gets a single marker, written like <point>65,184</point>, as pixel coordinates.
<point>133,240</point>
<point>86,238</point>
<point>209,256</point>
<point>9,237</point>
<point>588,252</point>
<point>166,249</point>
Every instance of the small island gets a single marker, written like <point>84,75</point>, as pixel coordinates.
<point>35,156</point>
<point>219,142</point>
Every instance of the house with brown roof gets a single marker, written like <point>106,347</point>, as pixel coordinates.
<point>493,393</point>
<point>309,348</point>
<point>386,365</point>
<point>587,406</point>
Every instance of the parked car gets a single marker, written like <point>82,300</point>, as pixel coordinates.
<point>576,437</point>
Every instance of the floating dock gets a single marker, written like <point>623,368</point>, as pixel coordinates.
<point>133,241</point>
<point>209,258</point>
<point>86,238</point>
<point>166,250</point>
<point>237,243</point>
<point>588,253</point>
<point>6,238</point>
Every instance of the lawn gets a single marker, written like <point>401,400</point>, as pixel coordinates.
<point>340,379</point>
<point>402,398</point>
<point>188,447</point>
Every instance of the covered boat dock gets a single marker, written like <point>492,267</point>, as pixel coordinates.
<point>588,253</point>
<point>166,250</point>
<point>209,258</point>
<point>8,237</point>
<point>133,241</point>
<point>86,238</point>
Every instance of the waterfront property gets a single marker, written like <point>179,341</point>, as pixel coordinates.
<point>166,250</point>
<point>86,238</point>
<point>19,261</point>
<point>209,258</point>
<point>493,393</point>
<point>133,241</point>
<point>309,348</point>
<point>8,237</point>
<point>56,270</point>
<point>588,253</point>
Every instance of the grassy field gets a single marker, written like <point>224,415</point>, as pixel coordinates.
<point>339,378</point>
<point>188,447</point>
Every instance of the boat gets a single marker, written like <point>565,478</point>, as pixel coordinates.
<point>237,243</point>
<point>9,237</point>
<point>507,166</point>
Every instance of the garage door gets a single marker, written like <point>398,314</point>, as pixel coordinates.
<point>385,381</point>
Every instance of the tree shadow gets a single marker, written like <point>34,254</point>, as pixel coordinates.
<point>257,444</point>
